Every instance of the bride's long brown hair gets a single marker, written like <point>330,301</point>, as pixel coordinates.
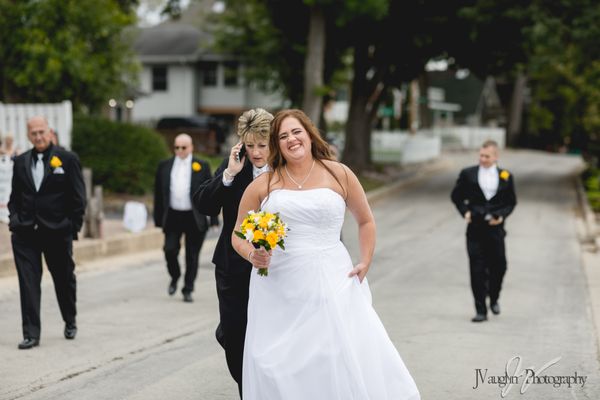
<point>319,147</point>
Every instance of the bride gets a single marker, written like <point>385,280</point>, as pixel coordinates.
<point>312,332</point>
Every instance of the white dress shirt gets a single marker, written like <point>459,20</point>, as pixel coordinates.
<point>181,176</point>
<point>488,181</point>
<point>255,173</point>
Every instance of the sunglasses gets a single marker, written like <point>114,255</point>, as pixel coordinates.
<point>180,147</point>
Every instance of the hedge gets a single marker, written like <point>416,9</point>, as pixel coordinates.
<point>123,157</point>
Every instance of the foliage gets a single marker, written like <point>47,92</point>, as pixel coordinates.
<point>123,157</point>
<point>565,71</point>
<point>53,50</point>
<point>591,182</point>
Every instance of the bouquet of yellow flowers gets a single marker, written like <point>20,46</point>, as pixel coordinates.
<point>263,229</point>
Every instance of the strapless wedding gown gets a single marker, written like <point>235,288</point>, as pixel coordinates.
<point>312,333</point>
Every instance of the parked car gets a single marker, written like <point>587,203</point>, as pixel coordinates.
<point>204,130</point>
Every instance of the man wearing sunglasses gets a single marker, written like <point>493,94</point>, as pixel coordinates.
<point>176,180</point>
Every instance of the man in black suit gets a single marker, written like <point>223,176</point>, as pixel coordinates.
<point>46,206</point>
<point>224,192</point>
<point>176,180</point>
<point>485,196</point>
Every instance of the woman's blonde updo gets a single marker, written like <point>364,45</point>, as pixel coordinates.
<point>256,122</point>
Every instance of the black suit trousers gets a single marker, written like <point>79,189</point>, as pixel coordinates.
<point>180,223</point>
<point>57,248</point>
<point>487,262</point>
<point>232,290</point>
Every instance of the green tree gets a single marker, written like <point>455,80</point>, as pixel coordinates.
<point>53,50</point>
<point>565,73</point>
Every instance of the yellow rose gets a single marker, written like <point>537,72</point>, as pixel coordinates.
<point>258,235</point>
<point>264,222</point>
<point>196,166</point>
<point>248,225</point>
<point>272,239</point>
<point>504,175</point>
<point>55,162</point>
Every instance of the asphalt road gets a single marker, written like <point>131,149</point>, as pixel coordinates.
<point>136,342</point>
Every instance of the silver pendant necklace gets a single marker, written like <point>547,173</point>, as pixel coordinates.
<point>304,180</point>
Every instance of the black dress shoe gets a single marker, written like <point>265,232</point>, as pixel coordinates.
<point>479,318</point>
<point>28,343</point>
<point>495,308</point>
<point>172,288</point>
<point>70,331</point>
<point>187,297</point>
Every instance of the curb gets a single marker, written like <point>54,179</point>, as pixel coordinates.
<point>93,249</point>
<point>589,218</point>
<point>590,257</point>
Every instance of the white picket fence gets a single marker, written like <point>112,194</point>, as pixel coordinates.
<point>6,169</point>
<point>13,121</point>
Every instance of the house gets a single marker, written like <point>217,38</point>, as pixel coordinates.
<point>182,76</point>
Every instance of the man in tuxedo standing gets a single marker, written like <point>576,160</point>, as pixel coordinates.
<point>46,206</point>
<point>176,180</point>
<point>224,192</point>
<point>485,196</point>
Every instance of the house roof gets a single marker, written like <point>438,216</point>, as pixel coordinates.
<point>172,42</point>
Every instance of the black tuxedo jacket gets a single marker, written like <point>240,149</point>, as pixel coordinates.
<point>468,196</point>
<point>60,203</point>
<point>211,197</point>
<point>162,192</point>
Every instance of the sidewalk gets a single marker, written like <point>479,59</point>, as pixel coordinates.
<point>116,240</point>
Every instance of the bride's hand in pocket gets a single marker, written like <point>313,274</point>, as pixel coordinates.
<point>359,270</point>
<point>260,258</point>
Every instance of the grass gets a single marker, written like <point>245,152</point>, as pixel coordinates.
<point>369,183</point>
<point>213,161</point>
<point>591,183</point>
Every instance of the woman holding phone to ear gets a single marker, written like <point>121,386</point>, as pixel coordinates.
<point>247,160</point>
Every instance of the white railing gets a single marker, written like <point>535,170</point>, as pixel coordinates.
<point>467,137</point>
<point>396,146</point>
<point>13,121</point>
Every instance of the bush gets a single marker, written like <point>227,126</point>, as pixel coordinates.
<point>123,157</point>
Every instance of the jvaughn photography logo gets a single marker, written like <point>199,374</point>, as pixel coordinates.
<point>515,375</point>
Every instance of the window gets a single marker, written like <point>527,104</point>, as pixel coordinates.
<point>231,72</point>
<point>159,78</point>
<point>209,73</point>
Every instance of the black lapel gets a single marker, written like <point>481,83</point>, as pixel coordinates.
<point>167,179</point>
<point>28,166</point>
<point>194,176</point>
<point>47,168</point>
<point>475,177</point>
<point>246,174</point>
<point>501,182</point>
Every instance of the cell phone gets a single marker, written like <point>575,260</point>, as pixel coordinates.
<point>241,153</point>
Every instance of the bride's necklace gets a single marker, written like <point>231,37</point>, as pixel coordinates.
<point>304,180</point>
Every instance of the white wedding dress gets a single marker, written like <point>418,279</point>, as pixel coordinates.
<point>312,333</point>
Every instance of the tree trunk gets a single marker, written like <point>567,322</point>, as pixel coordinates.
<point>313,66</point>
<point>516,110</point>
<point>364,100</point>
<point>413,116</point>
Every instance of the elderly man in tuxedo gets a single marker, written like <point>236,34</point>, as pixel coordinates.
<point>176,180</point>
<point>485,196</point>
<point>246,161</point>
<point>46,206</point>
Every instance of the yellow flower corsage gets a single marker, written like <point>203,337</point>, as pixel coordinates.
<point>504,175</point>
<point>196,166</point>
<point>55,162</point>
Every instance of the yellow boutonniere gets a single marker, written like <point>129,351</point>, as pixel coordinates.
<point>504,175</point>
<point>196,166</point>
<point>55,162</point>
